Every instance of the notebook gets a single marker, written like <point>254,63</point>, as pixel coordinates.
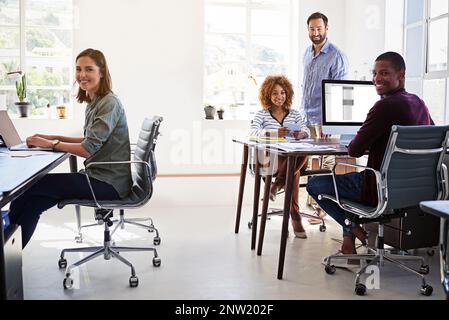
<point>10,137</point>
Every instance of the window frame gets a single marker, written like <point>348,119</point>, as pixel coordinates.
<point>23,61</point>
<point>426,75</point>
<point>249,62</point>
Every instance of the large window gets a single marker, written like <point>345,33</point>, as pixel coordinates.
<point>36,38</point>
<point>245,40</point>
<point>426,53</point>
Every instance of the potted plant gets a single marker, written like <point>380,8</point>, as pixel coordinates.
<point>21,90</point>
<point>220,112</point>
<point>210,111</point>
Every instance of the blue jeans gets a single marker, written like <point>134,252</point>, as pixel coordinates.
<point>349,187</point>
<point>47,192</point>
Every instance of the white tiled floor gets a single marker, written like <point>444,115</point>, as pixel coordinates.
<point>202,258</point>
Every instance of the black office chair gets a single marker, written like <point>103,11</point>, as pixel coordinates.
<point>132,221</point>
<point>140,194</point>
<point>279,212</point>
<point>411,172</point>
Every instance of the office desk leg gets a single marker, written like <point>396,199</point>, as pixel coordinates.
<point>255,202</point>
<point>74,168</point>
<point>263,219</point>
<point>291,164</point>
<point>241,187</point>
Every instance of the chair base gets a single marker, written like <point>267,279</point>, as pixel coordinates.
<point>120,223</point>
<point>108,251</point>
<point>378,257</point>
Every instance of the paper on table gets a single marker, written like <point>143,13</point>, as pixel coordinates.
<point>23,154</point>
<point>295,146</point>
<point>293,126</point>
<point>293,140</point>
<point>20,154</point>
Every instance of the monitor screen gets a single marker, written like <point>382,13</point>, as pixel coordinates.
<point>345,104</point>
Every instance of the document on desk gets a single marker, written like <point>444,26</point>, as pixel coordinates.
<point>300,146</point>
<point>22,154</point>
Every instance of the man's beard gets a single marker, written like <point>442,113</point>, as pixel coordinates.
<point>318,41</point>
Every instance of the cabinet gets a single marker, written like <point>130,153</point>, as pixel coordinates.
<point>12,261</point>
<point>424,230</point>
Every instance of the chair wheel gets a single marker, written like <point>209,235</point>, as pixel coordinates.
<point>424,269</point>
<point>322,228</point>
<point>62,263</point>
<point>426,290</point>
<point>151,228</point>
<point>156,241</point>
<point>133,281</point>
<point>250,224</point>
<point>360,289</point>
<point>330,269</point>
<point>156,261</point>
<point>67,283</point>
<point>430,252</point>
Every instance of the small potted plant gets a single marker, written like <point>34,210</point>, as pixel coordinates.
<point>210,111</point>
<point>21,90</point>
<point>220,112</point>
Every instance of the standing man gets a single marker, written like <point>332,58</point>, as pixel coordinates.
<point>322,60</point>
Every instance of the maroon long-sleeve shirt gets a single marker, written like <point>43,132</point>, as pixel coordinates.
<point>400,108</point>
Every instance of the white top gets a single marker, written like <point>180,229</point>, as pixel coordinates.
<point>264,122</point>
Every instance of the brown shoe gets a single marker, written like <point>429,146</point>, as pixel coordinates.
<point>348,246</point>
<point>298,229</point>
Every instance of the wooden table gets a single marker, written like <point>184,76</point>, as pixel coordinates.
<point>292,157</point>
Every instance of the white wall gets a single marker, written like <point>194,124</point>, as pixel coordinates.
<point>155,52</point>
<point>364,35</point>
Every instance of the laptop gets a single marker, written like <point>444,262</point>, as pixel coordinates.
<point>10,137</point>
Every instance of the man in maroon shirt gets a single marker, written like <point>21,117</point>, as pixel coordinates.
<point>396,107</point>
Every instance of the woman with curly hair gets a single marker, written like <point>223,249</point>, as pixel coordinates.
<point>276,96</point>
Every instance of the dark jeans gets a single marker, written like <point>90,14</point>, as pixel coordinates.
<point>349,187</point>
<point>47,192</point>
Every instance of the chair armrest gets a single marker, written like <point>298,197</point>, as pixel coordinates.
<point>109,163</point>
<point>445,181</point>
<point>381,202</point>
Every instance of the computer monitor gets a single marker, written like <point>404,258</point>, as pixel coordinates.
<point>345,104</point>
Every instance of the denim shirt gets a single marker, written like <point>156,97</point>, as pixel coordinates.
<point>106,138</point>
<point>331,64</point>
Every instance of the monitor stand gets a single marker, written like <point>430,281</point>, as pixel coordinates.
<point>345,139</point>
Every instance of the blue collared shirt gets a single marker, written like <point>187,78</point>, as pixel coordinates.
<point>330,63</point>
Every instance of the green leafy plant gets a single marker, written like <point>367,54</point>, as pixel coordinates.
<point>21,88</point>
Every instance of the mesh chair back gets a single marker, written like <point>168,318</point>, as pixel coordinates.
<point>412,165</point>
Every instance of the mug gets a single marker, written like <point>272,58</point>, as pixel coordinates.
<point>61,110</point>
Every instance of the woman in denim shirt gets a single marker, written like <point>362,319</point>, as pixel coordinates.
<point>105,139</point>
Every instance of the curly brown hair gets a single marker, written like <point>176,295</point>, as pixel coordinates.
<point>267,88</point>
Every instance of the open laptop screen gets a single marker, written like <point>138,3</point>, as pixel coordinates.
<point>11,137</point>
